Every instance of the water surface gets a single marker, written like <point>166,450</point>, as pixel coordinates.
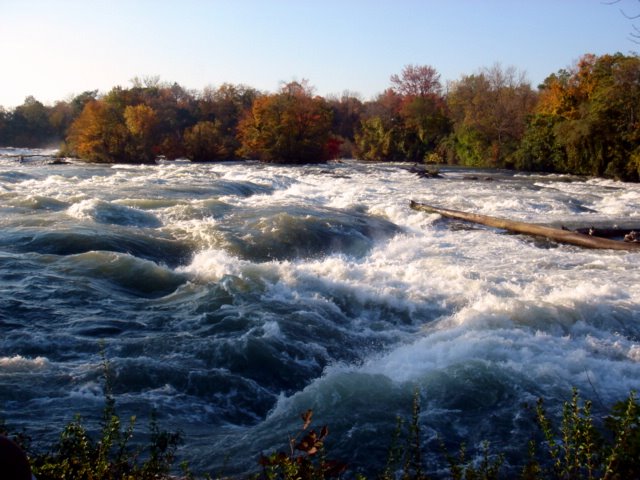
<point>231,297</point>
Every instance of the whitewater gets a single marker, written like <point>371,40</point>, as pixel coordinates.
<point>231,297</point>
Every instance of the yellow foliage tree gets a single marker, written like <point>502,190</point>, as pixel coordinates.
<point>98,134</point>
<point>141,121</point>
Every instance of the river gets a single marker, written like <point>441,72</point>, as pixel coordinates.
<point>231,297</point>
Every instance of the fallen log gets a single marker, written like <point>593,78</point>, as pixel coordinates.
<point>556,234</point>
<point>618,233</point>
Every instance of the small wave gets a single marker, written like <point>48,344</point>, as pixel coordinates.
<point>125,272</point>
<point>76,239</point>
<point>149,203</point>
<point>278,233</point>
<point>17,151</point>
<point>15,177</point>
<point>195,211</point>
<point>39,202</point>
<point>111,213</point>
<point>220,188</point>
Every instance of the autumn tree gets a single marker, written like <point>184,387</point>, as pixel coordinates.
<point>408,121</point>
<point>347,113</point>
<point>489,111</point>
<point>588,117</point>
<point>540,150</point>
<point>135,124</point>
<point>34,124</point>
<point>98,134</point>
<point>7,131</point>
<point>3,126</point>
<point>291,126</point>
<point>28,125</point>
<point>417,81</point>
<point>141,121</point>
<point>64,112</point>
<point>224,107</point>
<point>176,109</point>
<point>378,137</point>
<point>205,142</point>
<point>422,115</point>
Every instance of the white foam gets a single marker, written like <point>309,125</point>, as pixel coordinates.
<point>18,363</point>
<point>212,265</point>
<point>546,360</point>
<point>271,329</point>
<point>84,210</point>
<point>634,353</point>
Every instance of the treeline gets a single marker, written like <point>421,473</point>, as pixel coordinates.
<point>583,120</point>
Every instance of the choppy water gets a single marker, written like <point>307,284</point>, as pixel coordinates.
<point>231,297</point>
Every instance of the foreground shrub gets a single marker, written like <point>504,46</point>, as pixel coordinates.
<point>111,456</point>
<point>309,464</point>
<point>574,447</point>
<point>577,450</point>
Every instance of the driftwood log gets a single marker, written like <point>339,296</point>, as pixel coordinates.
<point>607,232</point>
<point>556,234</point>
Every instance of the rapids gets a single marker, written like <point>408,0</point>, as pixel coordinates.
<point>230,297</point>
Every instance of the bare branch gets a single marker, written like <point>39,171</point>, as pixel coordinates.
<point>630,17</point>
<point>635,37</point>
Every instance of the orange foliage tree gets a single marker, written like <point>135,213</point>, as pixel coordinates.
<point>292,126</point>
<point>132,125</point>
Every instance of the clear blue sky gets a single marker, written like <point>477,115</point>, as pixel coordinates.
<point>52,49</point>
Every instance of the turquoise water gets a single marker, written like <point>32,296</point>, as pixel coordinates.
<point>231,297</point>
